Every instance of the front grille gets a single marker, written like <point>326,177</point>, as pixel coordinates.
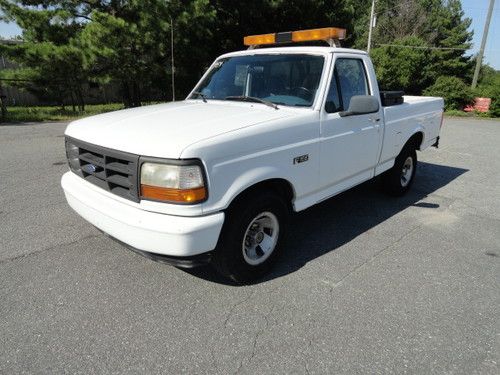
<point>111,170</point>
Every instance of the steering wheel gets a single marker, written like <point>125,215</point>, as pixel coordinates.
<point>303,92</point>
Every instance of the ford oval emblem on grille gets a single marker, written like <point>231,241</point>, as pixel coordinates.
<point>89,168</point>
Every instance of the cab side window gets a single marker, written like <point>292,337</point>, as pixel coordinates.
<point>352,79</point>
<point>349,79</point>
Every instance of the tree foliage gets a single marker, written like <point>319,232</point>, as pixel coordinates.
<point>52,64</point>
<point>455,92</point>
<point>437,28</point>
<point>489,87</point>
<point>400,67</point>
<point>69,43</point>
<point>452,31</point>
<point>127,42</point>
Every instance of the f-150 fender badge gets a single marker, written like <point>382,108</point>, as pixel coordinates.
<point>301,159</point>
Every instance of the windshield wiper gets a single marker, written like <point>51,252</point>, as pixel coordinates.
<point>201,95</point>
<point>245,98</point>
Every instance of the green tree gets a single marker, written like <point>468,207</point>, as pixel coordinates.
<point>203,30</point>
<point>50,61</point>
<point>399,67</point>
<point>435,31</point>
<point>69,43</point>
<point>489,87</point>
<point>129,42</point>
<point>126,42</point>
<point>452,34</point>
<point>400,19</point>
<point>235,19</point>
<point>455,92</point>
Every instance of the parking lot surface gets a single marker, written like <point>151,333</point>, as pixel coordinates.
<point>369,283</point>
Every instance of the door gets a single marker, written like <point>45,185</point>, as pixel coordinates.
<point>349,146</point>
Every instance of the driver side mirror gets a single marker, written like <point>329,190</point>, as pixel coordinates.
<point>361,105</point>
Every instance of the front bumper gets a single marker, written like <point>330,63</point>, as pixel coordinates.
<point>152,232</point>
<point>180,262</point>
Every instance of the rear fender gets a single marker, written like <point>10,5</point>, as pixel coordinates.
<point>418,130</point>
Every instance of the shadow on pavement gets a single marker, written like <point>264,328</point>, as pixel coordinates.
<point>329,225</point>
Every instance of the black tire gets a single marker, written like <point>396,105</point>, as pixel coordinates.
<point>393,181</point>
<point>229,259</point>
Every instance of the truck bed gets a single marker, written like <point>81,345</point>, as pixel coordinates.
<point>413,106</point>
<point>416,114</point>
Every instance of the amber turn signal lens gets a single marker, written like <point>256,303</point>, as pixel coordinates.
<point>173,195</point>
<point>255,40</point>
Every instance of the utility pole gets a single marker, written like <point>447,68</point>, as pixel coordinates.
<point>372,16</point>
<point>479,60</point>
<point>172,51</point>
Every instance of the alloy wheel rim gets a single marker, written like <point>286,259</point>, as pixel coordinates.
<point>407,171</point>
<point>260,238</point>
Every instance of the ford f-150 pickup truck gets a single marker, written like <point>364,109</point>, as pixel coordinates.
<point>266,132</point>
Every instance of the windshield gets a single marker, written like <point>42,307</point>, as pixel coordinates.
<point>291,79</point>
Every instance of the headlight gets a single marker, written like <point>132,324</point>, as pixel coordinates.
<point>173,183</point>
<point>72,153</point>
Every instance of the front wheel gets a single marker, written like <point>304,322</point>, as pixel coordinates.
<point>252,237</point>
<point>398,180</point>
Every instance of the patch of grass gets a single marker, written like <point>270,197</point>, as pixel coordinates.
<point>474,114</point>
<point>457,113</point>
<point>38,114</point>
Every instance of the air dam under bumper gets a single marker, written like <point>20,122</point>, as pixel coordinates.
<point>147,231</point>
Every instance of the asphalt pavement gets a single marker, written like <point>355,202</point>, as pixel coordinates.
<point>369,284</point>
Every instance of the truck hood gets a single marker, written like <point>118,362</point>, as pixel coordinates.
<point>165,130</point>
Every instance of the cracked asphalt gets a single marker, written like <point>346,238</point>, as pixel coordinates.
<point>369,284</point>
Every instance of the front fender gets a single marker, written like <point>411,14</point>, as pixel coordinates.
<point>242,182</point>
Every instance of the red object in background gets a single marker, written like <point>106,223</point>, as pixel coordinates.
<point>480,105</point>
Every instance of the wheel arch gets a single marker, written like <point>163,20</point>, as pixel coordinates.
<point>281,186</point>
<point>416,139</point>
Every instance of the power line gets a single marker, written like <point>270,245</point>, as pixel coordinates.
<point>422,47</point>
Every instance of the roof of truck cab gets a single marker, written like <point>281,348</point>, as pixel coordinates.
<point>295,49</point>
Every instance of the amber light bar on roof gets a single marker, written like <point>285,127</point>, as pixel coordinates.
<point>328,34</point>
<point>255,40</point>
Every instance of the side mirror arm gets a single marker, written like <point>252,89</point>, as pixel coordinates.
<point>346,113</point>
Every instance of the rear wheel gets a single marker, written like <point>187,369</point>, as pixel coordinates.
<point>398,180</point>
<point>252,237</point>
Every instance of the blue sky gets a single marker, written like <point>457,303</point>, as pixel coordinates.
<point>475,9</point>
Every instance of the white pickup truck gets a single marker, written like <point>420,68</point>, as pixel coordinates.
<point>266,132</point>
